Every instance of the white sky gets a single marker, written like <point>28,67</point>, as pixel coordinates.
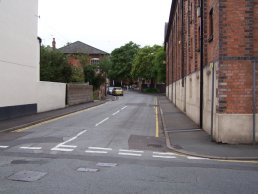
<point>104,24</point>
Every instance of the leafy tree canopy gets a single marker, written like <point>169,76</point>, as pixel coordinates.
<point>54,66</point>
<point>122,60</point>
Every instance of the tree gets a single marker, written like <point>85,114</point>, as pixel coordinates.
<point>96,74</point>
<point>148,64</point>
<point>160,65</point>
<point>77,75</point>
<point>54,66</point>
<point>121,62</point>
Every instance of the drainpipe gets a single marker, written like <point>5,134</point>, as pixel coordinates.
<point>182,53</point>
<point>201,65</point>
<point>212,101</point>
<point>254,101</point>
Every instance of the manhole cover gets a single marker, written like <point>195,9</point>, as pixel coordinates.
<point>27,176</point>
<point>107,164</point>
<point>87,170</point>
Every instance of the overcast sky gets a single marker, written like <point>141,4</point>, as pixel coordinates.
<point>104,24</point>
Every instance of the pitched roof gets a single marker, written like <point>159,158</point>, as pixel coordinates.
<point>81,48</point>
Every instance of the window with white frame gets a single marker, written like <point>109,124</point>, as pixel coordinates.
<point>94,61</point>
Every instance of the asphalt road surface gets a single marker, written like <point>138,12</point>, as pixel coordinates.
<point>117,147</point>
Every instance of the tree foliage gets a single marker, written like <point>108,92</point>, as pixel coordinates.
<point>121,61</point>
<point>96,74</point>
<point>160,65</point>
<point>77,75</point>
<point>148,64</point>
<point>54,66</point>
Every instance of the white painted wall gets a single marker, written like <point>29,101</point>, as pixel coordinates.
<point>18,52</point>
<point>19,59</point>
<point>50,96</point>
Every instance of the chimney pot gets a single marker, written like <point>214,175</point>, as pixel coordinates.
<point>54,44</point>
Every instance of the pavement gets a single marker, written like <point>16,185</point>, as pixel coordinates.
<point>26,121</point>
<point>185,137</point>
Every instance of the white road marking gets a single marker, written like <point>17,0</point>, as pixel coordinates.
<point>133,151</point>
<point>60,146</point>
<point>61,149</point>
<point>4,146</point>
<point>96,152</point>
<point>129,154</point>
<point>75,137</point>
<point>31,148</point>
<point>99,148</point>
<point>164,153</point>
<point>69,146</point>
<point>167,157</point>
<point>102,121</point>
<point>195,158</point>
<point>123,107</point>
<point>116,113</point>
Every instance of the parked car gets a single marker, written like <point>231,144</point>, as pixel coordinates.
<point>117,91</point>
<point>110,89</point>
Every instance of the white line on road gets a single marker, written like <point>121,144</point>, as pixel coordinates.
<point>69,146</point>
<point>123,107</point>
<point>96,152</point>
<point>4,146</point>
<point>60,146</point>
<point>167,157</point>
<point>164,153</point>
<point>102,121</point>
<point>61,149</point>
<point>195,158</point>
<point>129,154</point>
<point>133,151</point>
<point>99,148</point>
<point>31,148</point>
<point>75,137</point>
<point>116,113</point>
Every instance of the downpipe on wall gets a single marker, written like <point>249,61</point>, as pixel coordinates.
<point>254,101</point>
<point>201,66</point>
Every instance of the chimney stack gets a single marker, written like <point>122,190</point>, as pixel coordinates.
<point>54,44</point>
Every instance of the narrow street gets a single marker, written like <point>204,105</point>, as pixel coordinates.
<point>117,147</point>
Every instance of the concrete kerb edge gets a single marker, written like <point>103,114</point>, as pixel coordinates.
<point>184,152</point>
<point>48,118</point>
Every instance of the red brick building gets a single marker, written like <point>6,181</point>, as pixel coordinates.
<point>76,49</point>
<point>212,52</point>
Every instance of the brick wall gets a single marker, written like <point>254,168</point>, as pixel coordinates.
<point>238,46</point>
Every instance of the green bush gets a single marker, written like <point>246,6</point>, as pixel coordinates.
<point>150,90</point>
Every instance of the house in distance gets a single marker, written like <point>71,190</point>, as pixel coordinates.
<point>73,50</point>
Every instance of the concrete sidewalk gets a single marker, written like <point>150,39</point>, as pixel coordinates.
<point>184,136</point>
<point>21,122</point>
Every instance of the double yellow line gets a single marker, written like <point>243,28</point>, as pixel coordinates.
<point>157,118</point>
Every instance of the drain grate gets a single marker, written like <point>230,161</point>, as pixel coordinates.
<point>27,176</point>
